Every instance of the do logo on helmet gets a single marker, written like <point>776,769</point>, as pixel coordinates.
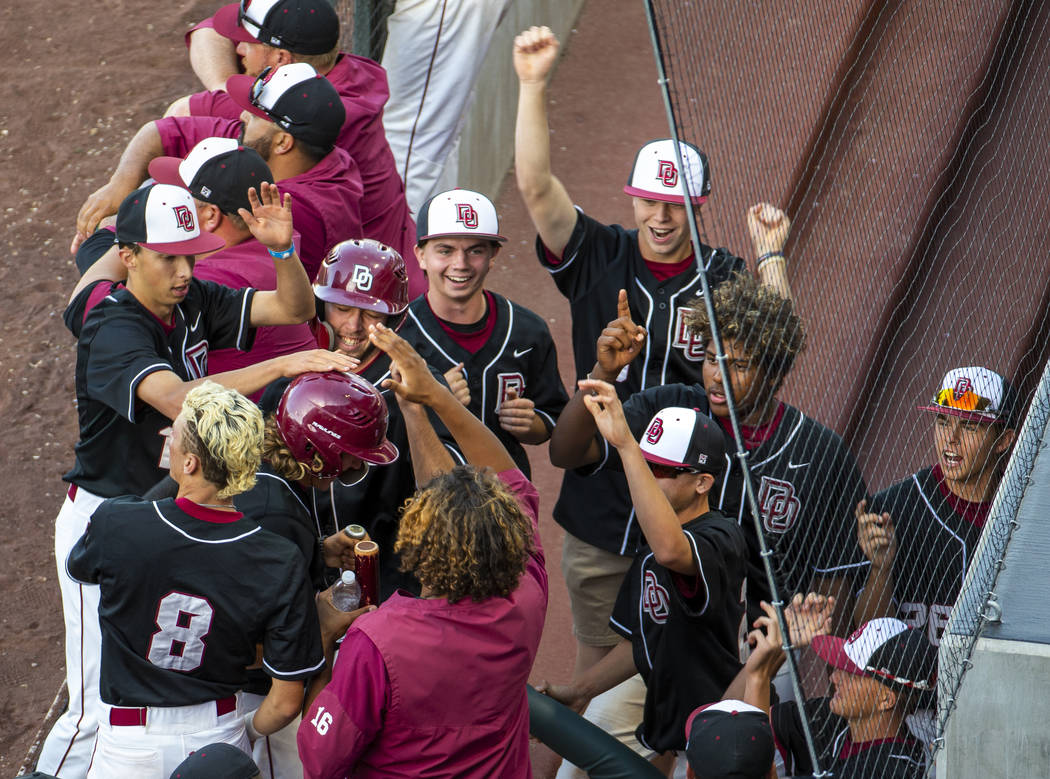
<point>362,278</point>
<point>655,431</point>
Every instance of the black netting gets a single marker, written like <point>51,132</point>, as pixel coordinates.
<point>907,143</point>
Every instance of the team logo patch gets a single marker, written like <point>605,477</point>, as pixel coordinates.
<point>778,504</point>
<point>655,431</point>
<point>509,382</point>
<point>654,599</point>
<point>467,216</point>
<point>962,386</point>
<point>184,218</point>
<point>667,173</point>
<point>196,360</point>
<point>362,278</point>
<point>691,345</point>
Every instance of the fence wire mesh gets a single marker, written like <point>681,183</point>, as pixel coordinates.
<point>906,140</point>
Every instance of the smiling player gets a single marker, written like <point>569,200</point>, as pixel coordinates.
<point>920,533</point>
<point>498,357</point>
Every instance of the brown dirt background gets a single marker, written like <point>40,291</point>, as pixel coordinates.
<point>82,79</point>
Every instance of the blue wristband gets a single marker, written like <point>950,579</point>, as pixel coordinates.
<point>282,255</point>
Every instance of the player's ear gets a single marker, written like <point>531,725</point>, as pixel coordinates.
<point>887,698</point>
<point>208,216</point>
<point>704,483</point>
<point>496,246</point>
<point>1005,441</point>
<point>282,142</point>
<point>282,57</point>
<point>128,257</point>
<point>418,249</point>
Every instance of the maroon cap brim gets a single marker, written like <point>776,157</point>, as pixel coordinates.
<point>227,23</point>
<point>652,458</point>
<point>486,236</point>
<point>202,244</point>
<point>239,88</point>
<point>647,195</point>
<point>165,170</point>
<point>831,649</point>
<point>969,416</point>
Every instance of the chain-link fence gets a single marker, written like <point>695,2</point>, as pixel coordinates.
<point>907,142</point>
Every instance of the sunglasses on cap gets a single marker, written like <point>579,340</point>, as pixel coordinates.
<point>253,27</point>
<point>966,401</point>
<point>661,471</point>
<point>256,93</point>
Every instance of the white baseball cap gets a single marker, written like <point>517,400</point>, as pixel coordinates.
<point>684,438</point>
<point>655,174</point>
<point>458,212</point>
<point>163,218</point>
<point>975,394</point>
<point>886,649</point>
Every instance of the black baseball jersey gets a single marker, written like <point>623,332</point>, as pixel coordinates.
<point>186,595</point>
<point>807,484</point>
<point>123,446</point>
<point>375,502</point>
<point>683,630</point>
<point>934,547</point>
<point>895,758</point>
<point>598,262</point>
<point>518,356</point>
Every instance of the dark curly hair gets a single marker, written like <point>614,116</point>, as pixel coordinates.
<point>464,535</point>
<point>757,320</point>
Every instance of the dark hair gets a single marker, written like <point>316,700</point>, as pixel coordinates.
<point>464,535</point>
<point>756,319</point>
<point>312,151</point>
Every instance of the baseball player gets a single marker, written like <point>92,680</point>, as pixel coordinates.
<point>272,33</point>
<point>189,587</point>
<point>218,173</point>
<point>292,118</point>
<point>362,283</point>
<point>680,606</point>
<point>920,534</point>
<point>880,674</point>
<point>144,327</point>
<point>499,357</point>
<point>432,61</point>
<point>590,263</point>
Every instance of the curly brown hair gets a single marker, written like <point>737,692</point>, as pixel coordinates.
<point>757,320</point>
<point>464,535</point>
<point>276,452</point>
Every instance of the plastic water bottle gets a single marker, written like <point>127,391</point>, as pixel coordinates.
<point>346,595</point>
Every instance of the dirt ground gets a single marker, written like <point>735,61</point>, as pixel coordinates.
<point>77,88</point>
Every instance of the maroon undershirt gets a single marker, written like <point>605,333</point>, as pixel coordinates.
<point>197,511</point>
<point>473,336</point>
<point>754,436</point>
<point>661,270</point>
<point>974,512</point>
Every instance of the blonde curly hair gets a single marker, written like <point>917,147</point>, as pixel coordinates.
<point>757,319</point>
<point>225,431</point>
<point>464,535</point>
<point>276,452</point>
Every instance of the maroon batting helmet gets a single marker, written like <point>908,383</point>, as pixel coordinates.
<point>332,413</point>
<point>365,274</point>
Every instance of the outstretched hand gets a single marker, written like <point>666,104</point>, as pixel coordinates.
<point>621,340</point>
<point>411,379</point>
<point>535,51</point>
<point>767,651</point>
<point>270,219</point>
